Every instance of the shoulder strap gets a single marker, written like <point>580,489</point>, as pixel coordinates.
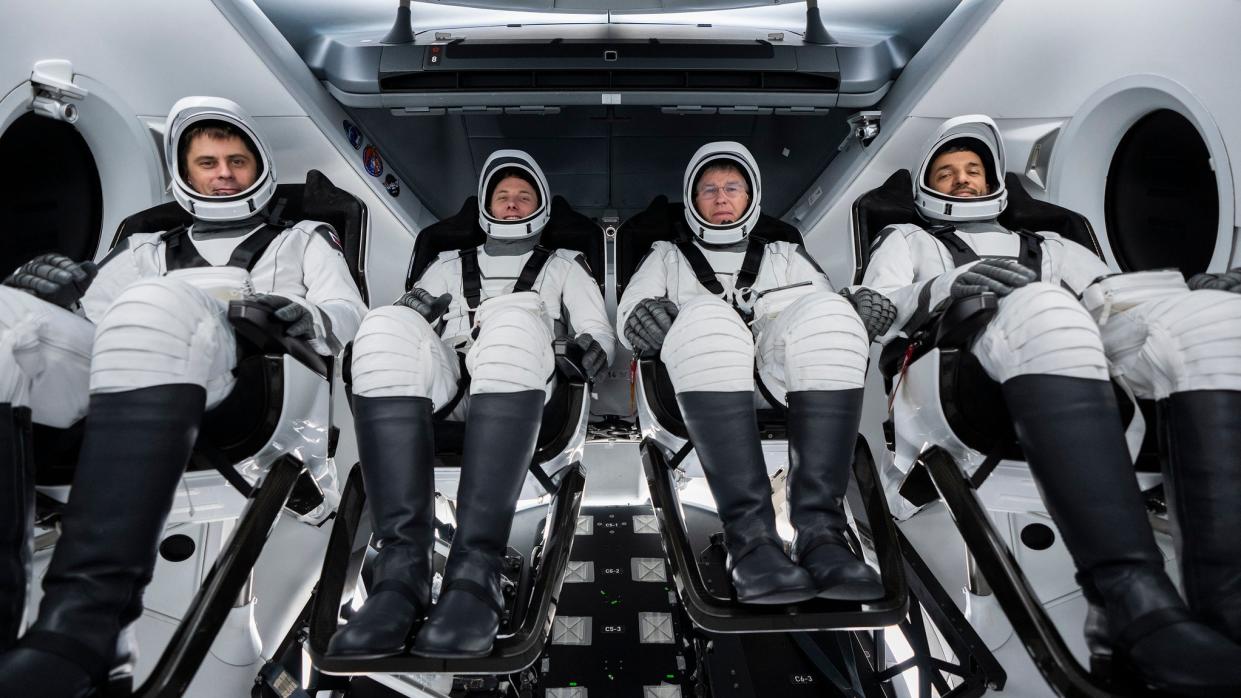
<point>177,254</point>
<point>471,278</point>
<point>530,272</point>
<point>702,268</point>
<point>961,252</point>
<point>1031,251</point>
<point>247,254</point>
<point>750,264</point>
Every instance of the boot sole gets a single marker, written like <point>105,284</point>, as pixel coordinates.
<point>449,654</point>
<point>781,597</point>
<point>852,591</point>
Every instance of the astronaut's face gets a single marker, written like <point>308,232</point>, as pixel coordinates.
<point>513,200</point>
<point>960,174</point>
<point>220,166</point>
<point>721,195</point>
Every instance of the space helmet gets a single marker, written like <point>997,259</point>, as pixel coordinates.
<point>722,153</point>
<point>506,163</point>
<point>197,111</point>
<point>978,134</point>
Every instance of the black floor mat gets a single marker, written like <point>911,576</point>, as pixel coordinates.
<point>615,612</point>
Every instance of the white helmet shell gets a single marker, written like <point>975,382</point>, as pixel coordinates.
<point>184,115</point>
<point>737,230</point>
<point>977,129</point>
<point>527,227</point>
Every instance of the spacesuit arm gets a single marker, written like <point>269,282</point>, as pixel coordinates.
<point>893,272</point>
<point>331,296</point>
<point>649,281</point>
<point>587,313</point>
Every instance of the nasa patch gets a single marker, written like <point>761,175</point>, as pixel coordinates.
<point>393,186</point>
<point>372,162</point>
<point>353,134</point>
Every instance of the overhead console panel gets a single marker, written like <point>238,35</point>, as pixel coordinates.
<point>517,69</point>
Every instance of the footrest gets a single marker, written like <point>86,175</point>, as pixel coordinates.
<point>708,596</point>
<point>512,653</point>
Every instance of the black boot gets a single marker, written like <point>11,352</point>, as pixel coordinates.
<point>823,426</point>
<point>1202,479</point>
<point>501,431</point>
<point>724,430</point>
<point>136,446</point>
<point>396,446</point>
<point>17,510</point>
<point>1070,431</point>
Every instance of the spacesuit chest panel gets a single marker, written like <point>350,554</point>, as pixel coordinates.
<point>968,242</point>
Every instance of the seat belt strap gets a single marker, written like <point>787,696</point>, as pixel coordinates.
<point>530,272</point>
<point>702,268</point>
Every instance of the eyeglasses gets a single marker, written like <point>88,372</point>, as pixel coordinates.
<point>732,191</point>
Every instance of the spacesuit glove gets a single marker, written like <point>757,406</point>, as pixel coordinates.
<point>54,278</point>
<point>647,325</point>
<point>1228,281</point>
<point>298,321</point>
<point>999,276</point>
<point>428,306</point>
<point>594,358</point>
<point>876,311</point>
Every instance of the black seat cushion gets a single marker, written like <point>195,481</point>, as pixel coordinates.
<point>566,229</point>
<point>317,199</point>
<point>559,423</point>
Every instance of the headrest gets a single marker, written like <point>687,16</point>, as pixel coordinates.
<point>662,220</point>
<point>892,203</point>
<point>317,199</point>
<point>567,229</point>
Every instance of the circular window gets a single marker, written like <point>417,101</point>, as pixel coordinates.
<point>1162,200</point>
<point>52,197</point>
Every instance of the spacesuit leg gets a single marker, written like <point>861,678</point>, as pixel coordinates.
<point>1065,414</point>
<point>44,371</point>
<point>709,354</point>
<point>509,367</point>
<point>401,372</point>
<point>162,352</point>
<point>813,358</point>
<point>1185,350</point>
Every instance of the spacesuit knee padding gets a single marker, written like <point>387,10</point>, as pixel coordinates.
<point>1043,329</point>
<point>513,352</point>
<point>1186,341</point>
<point>823,344</point>
<point>393,354</point>
<point>709,348</point>
<point>164,331</point>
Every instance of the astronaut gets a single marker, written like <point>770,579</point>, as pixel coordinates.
<point>407,369</point>
<point>686,303</point>
<point>1063,322</point>
<point>141,350</point>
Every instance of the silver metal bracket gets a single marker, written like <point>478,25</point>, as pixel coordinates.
<point>864,126</point>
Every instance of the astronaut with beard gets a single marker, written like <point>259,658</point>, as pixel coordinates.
<point>1063,322</point>
<point>407,369</point>
<point>715,305</point>
<point>141,346</point>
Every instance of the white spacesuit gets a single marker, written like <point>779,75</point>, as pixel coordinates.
<point>1052,354</point>
<point>686,302</point>
<point>142,352</point>
<point>501,305</point>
